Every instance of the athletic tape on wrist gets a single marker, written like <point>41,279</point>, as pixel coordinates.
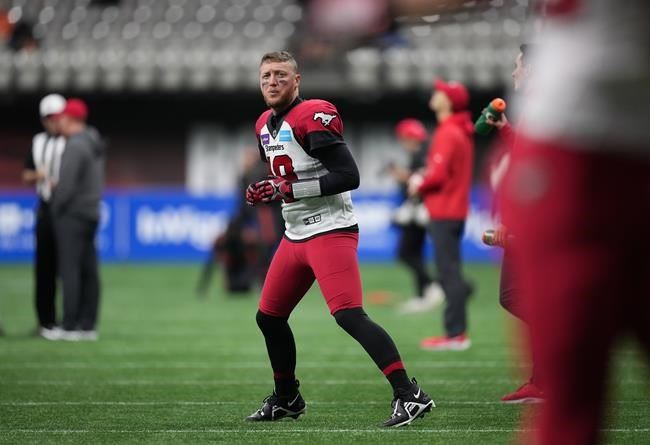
<point>306,189</point>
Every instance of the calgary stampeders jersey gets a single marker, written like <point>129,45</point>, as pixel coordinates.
<point>287,142</point>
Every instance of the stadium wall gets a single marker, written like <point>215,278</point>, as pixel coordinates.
<point>170,225</point>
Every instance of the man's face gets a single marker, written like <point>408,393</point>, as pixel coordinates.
<point>279,83</point>
<point>520,73</point>
<point>439,101</point>
<point>409,144</point>
<point>63,124</point>
<point>51,124</point>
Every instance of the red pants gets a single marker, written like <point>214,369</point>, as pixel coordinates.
<point>331,259</point>
<point>583,225</point>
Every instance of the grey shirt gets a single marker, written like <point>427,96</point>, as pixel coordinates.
<point>81,177</point>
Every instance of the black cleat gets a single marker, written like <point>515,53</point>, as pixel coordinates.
<point>276,408</point>
<point>408,406</point>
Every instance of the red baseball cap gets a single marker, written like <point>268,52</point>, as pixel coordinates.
<point>412,129</point>
<point>455,91</point>
<point>76,108</point>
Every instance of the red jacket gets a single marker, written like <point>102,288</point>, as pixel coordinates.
<point>448,177</point>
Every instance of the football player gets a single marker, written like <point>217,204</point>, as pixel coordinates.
<point>312,171</point>
<point>509,292</point>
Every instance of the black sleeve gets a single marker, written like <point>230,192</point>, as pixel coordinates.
<point>343,172</point>
<point>29,160</point>
<point>261,150</point>
<point>316,141</point>
<point>418,159</point>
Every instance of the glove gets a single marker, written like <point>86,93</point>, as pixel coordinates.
<point>252,194</point>
<point>274,188</point>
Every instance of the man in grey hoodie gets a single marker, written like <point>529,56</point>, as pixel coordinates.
<point>75,209</point>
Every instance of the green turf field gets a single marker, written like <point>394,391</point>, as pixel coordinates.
<point>172,368</point>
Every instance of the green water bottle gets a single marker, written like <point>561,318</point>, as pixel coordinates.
<point>494,110</point>
<point>489,237</point>
<point>497,237</point>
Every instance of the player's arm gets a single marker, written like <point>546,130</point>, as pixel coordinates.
<point>342,176</point>
<point>437,169</point>
<point>30,174</point>
<point>507,134</point>
<point>322,138</point>
<point>399,174</point>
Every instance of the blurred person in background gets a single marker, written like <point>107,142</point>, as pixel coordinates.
<point>267,219</point>
<point>16,30</point>
<point>578,195</point>
<point>313,173</point>
<point>42,170</point>
<point>510,295</point>
<point>412,218</point>
<point>246,247</point>
<point>331,27</point>
<point>75,210</point>
<point>445,188</point>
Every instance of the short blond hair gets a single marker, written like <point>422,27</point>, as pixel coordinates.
<point>280,56</point>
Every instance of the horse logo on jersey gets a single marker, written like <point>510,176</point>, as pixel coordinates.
<point>324,117</point>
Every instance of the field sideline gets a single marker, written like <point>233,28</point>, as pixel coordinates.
<point>171,368</point>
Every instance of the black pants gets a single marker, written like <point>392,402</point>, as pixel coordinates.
<point>45,267</point>
<point>410,252</point>
<point>78,268</point>
<point>447,235</point>
<point>508,293</point>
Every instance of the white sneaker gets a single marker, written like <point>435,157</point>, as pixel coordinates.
<point>412,306</point>
<point>70,335</point>
<point>433,296</point>
<point>53,333</point>
<point>88,335</point>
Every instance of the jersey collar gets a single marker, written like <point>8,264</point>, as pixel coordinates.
<point>275,120</point>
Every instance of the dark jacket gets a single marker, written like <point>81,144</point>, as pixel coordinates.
<point>81,178</point>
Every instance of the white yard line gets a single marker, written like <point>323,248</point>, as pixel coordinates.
<point>360,364</point>
<point>301,431</point>
<point>220,403</point>
<point>209,382</point>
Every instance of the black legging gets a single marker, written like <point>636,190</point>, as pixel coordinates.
<point>508,294</point>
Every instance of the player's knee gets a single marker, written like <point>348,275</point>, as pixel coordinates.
<point>350,319</point>
<point>269,323</point>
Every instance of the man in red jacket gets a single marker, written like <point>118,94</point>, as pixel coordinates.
<point>445,187</point>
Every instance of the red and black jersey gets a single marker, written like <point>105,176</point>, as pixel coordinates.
<point>289,142</point>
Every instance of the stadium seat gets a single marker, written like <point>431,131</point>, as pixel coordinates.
<point>476,46</point>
